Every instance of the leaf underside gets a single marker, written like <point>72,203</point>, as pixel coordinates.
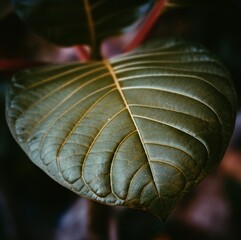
<point>80,21</point>
<point>140,130</point>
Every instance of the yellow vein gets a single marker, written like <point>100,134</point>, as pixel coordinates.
<point>144,189</point>
<point>135,174</point>
<point>165,65</point>
<point>69,109</point>
<point>57,160</point>
<point>173,147</point>
<point>191,97</point>
<point>109,67</point>
<point>66,98</point>
<point>172,165</point>
<point>175,74</point>
<point>90,23</point>
<point>55,76</point>
<point>168,109</point>
<point>128,64</point>
<point>114,157</point>
<point>80,120</point>
<point>67,83</point>
<point>173,48</point>
<point>183,130</point>
<point>188,153</point>
<point>48,69</point>
<point>93,142</point>
<point>152,53</point>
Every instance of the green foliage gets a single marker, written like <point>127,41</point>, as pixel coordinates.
<point>139,130</point>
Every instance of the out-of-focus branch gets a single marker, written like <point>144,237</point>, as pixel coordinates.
<point>83,53</point>
<point>17,64</point>
<point>86,220</point>
<point>147,25</point>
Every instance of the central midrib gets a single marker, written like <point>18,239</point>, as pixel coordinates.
<point>109,67</point>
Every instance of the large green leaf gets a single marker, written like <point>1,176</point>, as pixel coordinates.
<point>140,130</point>
<point>69,22</point>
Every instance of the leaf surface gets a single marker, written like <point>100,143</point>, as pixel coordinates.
<point>140,130</point>
<point>69,22</point>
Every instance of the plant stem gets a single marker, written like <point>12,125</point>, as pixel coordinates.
<point>147,25</point>
<point>83,53</point>
<point>98,220</point>
<point>17,64</point>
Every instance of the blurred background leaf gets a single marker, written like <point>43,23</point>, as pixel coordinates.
<point>74,22</point>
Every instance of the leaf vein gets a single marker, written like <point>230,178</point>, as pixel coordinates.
<point>109,67</point>
<point>175,127</point>
<point>38,83</point>
<point>193,98</point>
<point>114,157</point>
<point>167,109</point>
<point>77,103</point>
<point>172,165</point>
<point>66,98</point>
<point>135,174</point>
<point>92,144</point>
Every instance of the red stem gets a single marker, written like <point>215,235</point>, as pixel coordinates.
<point>12,65</point>
<point>147,25</point>
<point>83,53</point>
<point>16,64</point>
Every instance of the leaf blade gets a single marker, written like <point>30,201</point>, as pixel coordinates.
<point>139,130</point>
